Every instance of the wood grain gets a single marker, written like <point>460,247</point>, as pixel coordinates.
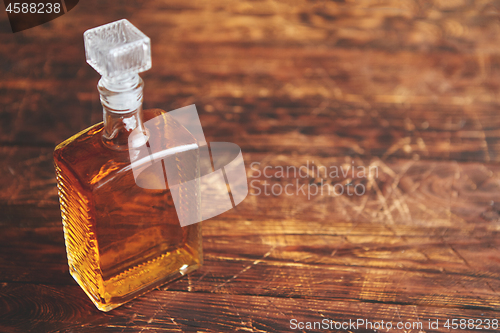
<point>406,87</point>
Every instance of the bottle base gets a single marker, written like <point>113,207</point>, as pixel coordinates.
<point>137,281</point>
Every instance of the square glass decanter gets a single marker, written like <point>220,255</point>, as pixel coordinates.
<point>123,239</point>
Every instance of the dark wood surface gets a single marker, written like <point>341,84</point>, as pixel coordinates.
<point>410,87</point>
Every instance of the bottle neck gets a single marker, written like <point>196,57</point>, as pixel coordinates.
<point>121,100</point>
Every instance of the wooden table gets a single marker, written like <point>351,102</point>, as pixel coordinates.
<point>407,87</point>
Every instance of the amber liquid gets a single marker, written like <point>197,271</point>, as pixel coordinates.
<point>121,240</point>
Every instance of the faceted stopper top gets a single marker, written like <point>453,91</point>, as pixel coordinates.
<point>117,49</point>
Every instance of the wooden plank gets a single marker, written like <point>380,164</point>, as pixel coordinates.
<point>359,263</point>
<point>303,91</point>
<point>422,229</point>
<point>66,309</point>
<point>408,87</point>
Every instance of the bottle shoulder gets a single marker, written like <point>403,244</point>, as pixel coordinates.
<point>93,132</point>
<point>78,137</point>
<point>85,156</point>
<point>88,159</point>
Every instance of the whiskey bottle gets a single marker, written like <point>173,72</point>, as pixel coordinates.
<point>123,239</point>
